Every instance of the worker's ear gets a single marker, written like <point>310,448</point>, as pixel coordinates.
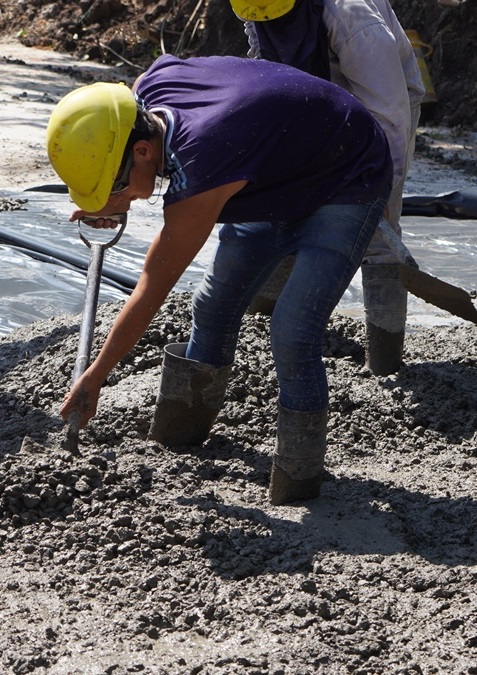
<point>143,150</point>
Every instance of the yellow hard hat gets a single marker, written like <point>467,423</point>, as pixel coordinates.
<point>86,137</point>
<point>261,10</point>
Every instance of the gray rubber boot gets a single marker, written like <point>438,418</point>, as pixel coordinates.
<point>265,300</point>
<point>385,308</point>
<point>190,397</point>
<point>297,469</point>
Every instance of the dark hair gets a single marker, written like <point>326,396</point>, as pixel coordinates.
<point>145,128</point>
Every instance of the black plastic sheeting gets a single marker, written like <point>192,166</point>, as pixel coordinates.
<point>53,254</point>
<point>460,205</point>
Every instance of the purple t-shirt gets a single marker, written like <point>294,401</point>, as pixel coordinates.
<point>300,141</point>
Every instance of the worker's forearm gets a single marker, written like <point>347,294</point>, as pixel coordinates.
<point>128,329</point>
<point>187,226</point>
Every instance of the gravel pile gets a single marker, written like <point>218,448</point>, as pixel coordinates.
<point>136,558</point>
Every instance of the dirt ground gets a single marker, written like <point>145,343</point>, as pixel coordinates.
<point>134,558</point>
<point>137,31</point>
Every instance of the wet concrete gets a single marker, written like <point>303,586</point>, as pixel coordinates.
<point>138,558</point>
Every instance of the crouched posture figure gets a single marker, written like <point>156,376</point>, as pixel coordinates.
<point>294,166</point>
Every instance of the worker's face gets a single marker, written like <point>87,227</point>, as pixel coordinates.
<point>137,178</point>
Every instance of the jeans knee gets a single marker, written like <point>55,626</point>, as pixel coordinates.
<point>198,303</point>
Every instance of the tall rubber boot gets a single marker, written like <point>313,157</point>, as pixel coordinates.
<point>297,469</point>
<point>190,398</point>
<point>385,308</point>
<point>265,300</point>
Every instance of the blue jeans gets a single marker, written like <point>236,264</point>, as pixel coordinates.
<point>328,247</point>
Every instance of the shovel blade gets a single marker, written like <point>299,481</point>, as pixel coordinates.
<point>451,298</point>
<point>32,447</point>
<point>70,441</point>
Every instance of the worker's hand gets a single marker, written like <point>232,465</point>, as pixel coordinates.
<point>109,216</point>
<point>98,222</point>
<point>101,223</point>
<point>82,397</point>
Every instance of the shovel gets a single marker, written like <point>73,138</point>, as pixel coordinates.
<point>431,289</point>
<point>93,280</point>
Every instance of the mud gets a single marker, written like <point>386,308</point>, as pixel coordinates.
<point>136,558</point>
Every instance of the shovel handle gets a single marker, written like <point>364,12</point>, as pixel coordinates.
<point>121,218</point>
<point>93,280</point>
<point>85,341</point>
<point>391,238</point>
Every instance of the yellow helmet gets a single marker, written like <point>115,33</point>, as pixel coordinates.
<point>86,137</point>
<point>261,10</point>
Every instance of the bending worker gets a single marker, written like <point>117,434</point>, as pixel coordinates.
<point>361,46</point>
<point>303,168</point>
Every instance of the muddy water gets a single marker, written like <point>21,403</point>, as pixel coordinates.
<point>33,289</point>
